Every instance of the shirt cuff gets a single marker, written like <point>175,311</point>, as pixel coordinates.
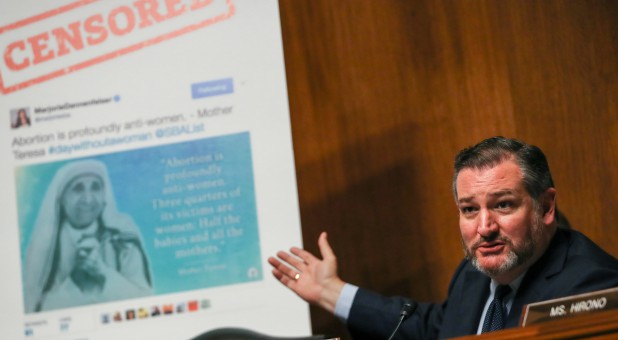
<point>344,303</point>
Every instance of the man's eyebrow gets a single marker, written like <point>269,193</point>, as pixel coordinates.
<point>504,192</point>
<point>499,193</point>
<point>465,199</point>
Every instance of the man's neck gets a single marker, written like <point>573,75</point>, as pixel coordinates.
<point>77,234</point>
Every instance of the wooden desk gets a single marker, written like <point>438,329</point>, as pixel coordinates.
<point>602,325</point>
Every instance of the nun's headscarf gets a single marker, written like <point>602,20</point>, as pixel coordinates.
<point>42,245</point>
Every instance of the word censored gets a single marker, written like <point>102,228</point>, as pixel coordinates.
<point>94,30</point>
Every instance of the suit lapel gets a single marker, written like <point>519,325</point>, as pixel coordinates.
<point>534,285</point>
<point>474,294</point>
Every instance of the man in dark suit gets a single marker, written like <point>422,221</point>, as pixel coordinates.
<point>516,253</point>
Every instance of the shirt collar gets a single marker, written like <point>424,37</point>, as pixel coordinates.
<point>513,284</point>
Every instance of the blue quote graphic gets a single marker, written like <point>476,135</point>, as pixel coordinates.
<point>193,204</point>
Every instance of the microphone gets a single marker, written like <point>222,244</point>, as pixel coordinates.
<point>407,310</point>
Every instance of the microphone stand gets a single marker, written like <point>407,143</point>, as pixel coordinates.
<point>406,311</point>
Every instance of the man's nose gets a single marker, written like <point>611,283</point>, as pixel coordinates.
<point>487,225</point>
<point>87,197</point>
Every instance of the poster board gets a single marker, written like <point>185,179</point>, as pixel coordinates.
<point>148,169</point>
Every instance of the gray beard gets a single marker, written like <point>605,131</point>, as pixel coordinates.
<point>515,257</point>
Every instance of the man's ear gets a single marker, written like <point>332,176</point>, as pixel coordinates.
<point>548,203</point>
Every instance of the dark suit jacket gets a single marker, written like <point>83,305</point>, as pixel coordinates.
<point>572,264</point>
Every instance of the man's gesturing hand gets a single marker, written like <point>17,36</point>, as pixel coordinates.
<point>314,280</point>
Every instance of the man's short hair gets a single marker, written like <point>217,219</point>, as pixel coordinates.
<point>492,151</point>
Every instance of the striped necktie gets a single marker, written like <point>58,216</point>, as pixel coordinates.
<point>496,313</point>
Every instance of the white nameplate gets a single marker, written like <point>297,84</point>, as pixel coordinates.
<point>568,306</point>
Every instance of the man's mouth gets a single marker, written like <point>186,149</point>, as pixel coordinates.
<point>490,248</point>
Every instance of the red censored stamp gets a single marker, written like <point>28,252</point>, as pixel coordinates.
<point>84,33</point>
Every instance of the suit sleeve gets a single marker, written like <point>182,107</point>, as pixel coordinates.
<point>375,317</point>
